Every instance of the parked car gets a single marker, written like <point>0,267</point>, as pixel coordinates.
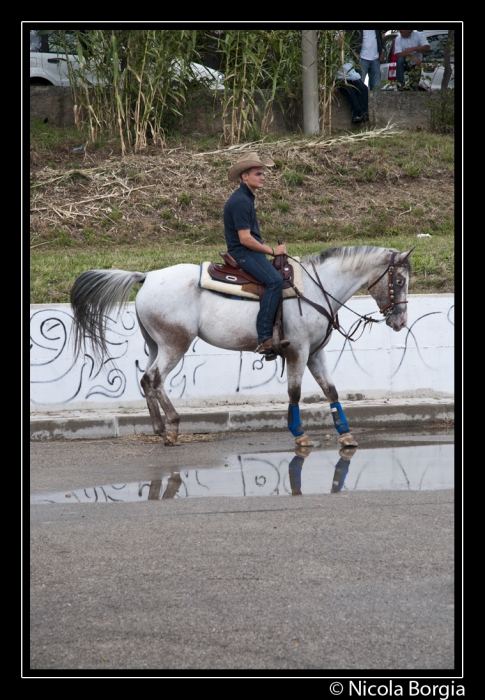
<point>432,66</point>
<point>48,66</point>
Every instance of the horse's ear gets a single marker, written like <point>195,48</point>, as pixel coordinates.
<point>406,255</point>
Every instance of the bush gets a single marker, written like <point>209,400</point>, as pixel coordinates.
<point>442,111</point>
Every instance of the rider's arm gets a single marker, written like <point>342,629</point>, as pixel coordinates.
<point>249,242</point>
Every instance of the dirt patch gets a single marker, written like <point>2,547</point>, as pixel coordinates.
<point>158,439</point>
<point>322,191</point>
<point>379,187</point>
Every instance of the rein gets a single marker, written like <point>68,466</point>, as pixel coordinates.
<point>333,319</point>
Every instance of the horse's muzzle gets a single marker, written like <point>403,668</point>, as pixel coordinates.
<point>397,320</point>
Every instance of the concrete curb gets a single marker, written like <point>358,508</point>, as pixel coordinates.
<point>123,422</point>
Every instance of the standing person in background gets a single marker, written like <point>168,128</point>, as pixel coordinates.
<point>408,49</point>
<point>367,44</point>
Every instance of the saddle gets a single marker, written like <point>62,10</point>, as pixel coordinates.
<point>231,273</point>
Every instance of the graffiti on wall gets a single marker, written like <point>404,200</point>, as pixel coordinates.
<point>380,359</point>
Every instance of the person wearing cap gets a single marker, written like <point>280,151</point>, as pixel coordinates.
<point>408,49</point>
<point>245,244</point>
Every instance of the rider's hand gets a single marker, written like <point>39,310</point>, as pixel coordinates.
<point>280,249</point>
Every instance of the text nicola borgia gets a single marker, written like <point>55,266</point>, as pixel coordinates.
<point>410,689</point>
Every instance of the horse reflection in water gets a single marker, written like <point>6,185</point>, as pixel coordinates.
<point>173,485</point>
<point>341,469</point>
<point>172,309</point>
<point>294,472</point>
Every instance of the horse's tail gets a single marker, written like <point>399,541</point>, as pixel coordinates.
<point>94,295</point>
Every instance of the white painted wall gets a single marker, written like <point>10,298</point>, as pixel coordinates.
<point>417,362</point>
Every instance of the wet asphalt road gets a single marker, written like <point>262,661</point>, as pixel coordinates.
<point>316,583</point>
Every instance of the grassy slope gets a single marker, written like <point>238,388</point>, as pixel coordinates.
<point>93,209</point>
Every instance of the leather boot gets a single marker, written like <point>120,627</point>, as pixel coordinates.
<point>266,347</point>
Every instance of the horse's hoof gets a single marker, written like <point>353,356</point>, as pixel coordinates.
<point>347,453</point>
<point>170,439</point>
<point>348,441</point>
<point>304,441</point>
<point>303,450</point>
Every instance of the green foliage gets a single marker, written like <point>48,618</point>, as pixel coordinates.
<point>115,213</point>
<point>371,173</point>
<point>89,234</point>
<point>442,111</point>
<point>185,199</point>
<point>138,83</point>
<point>412,170</point>
<point>294,178</point>
<point>49,136</point>
<point>130,82</point>
<point>283,206</point>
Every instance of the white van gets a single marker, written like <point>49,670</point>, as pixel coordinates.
<point>48,65</point>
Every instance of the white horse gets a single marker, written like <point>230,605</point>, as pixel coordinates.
<point>172,309</point>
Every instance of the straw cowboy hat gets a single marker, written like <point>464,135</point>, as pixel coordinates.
<point>248,160</point>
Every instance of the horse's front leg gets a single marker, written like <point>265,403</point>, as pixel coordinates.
<point>318,368</point>
<point>296,362</point>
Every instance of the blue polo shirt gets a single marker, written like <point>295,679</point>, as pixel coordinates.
<point>239,214</point>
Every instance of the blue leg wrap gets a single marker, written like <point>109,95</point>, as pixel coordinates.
<point>294,471</point>
<point>294,420</point>
<point>341,469</point>
<point>339,419</point>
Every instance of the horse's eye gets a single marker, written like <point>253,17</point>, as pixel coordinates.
<point>399,282</point>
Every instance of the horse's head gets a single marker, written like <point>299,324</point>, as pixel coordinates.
<point>390,289</point>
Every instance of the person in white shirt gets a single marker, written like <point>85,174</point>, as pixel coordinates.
<point>368,46</point>
<point>408,49</point>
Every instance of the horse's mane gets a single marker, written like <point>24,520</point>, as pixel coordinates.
<point>351,257</point>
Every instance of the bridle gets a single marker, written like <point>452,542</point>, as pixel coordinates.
<point>391,282</point>
<point>386,310</point>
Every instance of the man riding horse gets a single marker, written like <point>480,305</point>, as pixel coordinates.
<point>246,246</point>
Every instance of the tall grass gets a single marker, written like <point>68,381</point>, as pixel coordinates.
<point>262,66</point>
<point>133,82</point>
<point>128,82</point>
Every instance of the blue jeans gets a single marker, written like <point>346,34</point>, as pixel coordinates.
<point>402,66</point>
<point>373,68</point>
<point>258,265</point>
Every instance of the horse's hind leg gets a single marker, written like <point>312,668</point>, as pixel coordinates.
<point>161,369</point>
<point>160,363</point>
<point>147,384</point>
<point>318,368</point>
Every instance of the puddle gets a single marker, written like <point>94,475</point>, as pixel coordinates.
<point>305,471</point>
